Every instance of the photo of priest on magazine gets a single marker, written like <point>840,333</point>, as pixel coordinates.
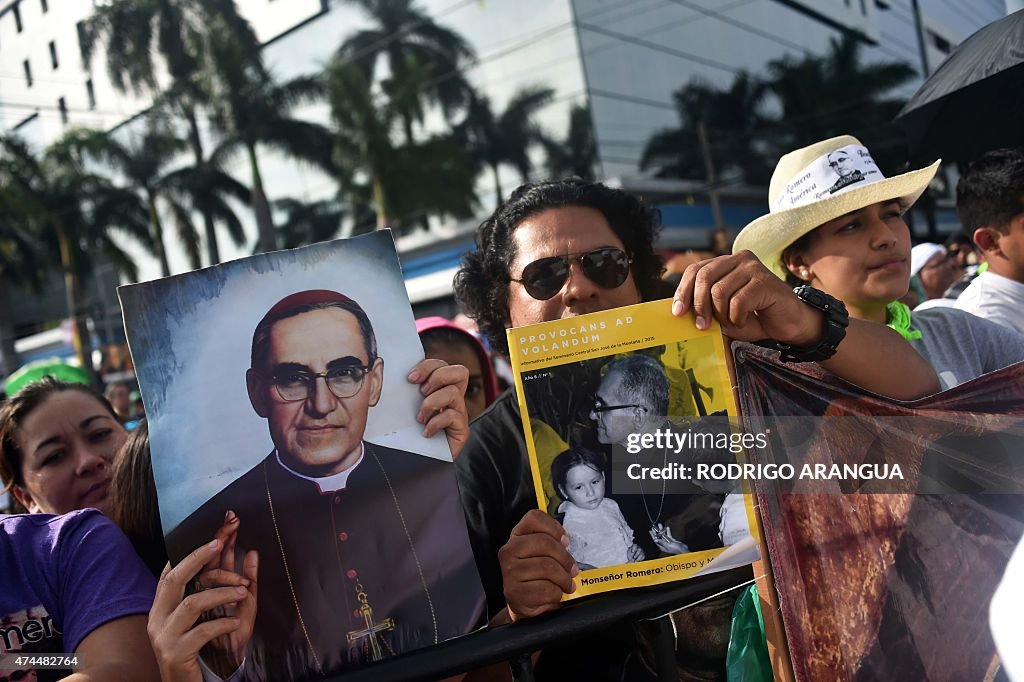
<point>620,408</point>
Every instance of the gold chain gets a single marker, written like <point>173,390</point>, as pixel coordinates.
<point>287,573</point>
<point>412,547</point>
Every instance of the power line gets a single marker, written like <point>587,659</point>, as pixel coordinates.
<point>975,19</point>
<point>739,24</point>
<point>663,27</point>
<point>689,56</point>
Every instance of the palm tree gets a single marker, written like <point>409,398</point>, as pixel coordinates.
<point>834,94</point>
<point>207,188</point>
<point>492,139</point>
<point>76,212</point>
<point>20,264</point>
<point>576,155</point>
<point>250,108</point>
<point>309,223</point>
<point>143,163</point>
<point>734,123</point>
<point>134,31</point>
<point>416,49</point>
<point>400,181</point>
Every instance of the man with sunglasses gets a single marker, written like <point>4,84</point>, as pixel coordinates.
<point>564,248</point>
<point>358,545</point>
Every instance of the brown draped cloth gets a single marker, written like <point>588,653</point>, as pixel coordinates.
<point>893,585</point>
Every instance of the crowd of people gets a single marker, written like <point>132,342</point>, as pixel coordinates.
<point>828,276</point>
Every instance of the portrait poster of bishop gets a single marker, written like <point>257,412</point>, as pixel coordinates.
<point>282,419</point>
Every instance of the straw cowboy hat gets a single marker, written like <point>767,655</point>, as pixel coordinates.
<point>815,184</point>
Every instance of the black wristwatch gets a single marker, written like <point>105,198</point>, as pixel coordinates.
<point>836,321</point>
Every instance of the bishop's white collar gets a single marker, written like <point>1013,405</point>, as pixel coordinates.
<point>327,484</point>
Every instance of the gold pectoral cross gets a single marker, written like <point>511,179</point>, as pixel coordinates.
<point>371,628</point>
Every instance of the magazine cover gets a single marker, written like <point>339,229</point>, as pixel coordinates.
<point>280,412</point>
<point>630,423</point>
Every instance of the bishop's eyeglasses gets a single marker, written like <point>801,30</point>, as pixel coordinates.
<point>343,381</point>
<point>600,406</point>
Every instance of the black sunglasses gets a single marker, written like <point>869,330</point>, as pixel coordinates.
<point>606,267</point>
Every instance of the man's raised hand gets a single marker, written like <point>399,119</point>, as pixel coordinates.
<point>748,300</point>
<point>444,404</point>
<point>536,567</point>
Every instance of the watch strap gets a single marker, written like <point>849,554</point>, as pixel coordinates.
<point>837,318</point>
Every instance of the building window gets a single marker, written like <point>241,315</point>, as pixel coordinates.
<point>46,6</point>
<point>17,16</point>
<point>63,108</point>
<point>90,93</point>
<point>80,27</point>
<point>53,55</point>
<point>28,72</point>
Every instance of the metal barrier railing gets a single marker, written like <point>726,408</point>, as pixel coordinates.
<point>517,641</point>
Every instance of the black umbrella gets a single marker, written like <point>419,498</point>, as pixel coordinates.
<point>974,102</point>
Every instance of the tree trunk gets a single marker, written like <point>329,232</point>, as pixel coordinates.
<point>196,142</point>
<point>407,127</point>
<point>379,204</point>
<point>73,298</point>
<point>267,240</point>
<point>158,234</point>
<point>212,249</point>
<point>423,220</point>
<point>8,356</point>
<point>499,197</point>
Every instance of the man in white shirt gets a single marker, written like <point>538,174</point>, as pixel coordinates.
<point>990,200</point>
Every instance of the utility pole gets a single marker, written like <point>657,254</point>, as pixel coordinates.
<point>921,40</point>
<point>709,171</point>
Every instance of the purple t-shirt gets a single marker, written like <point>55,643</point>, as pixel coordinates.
<point>61,577</point>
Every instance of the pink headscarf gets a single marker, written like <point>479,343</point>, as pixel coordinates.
<point>489,380</point>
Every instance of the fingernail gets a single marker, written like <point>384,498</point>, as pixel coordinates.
<point>424,389</point>
<point>245,581</point>
<point>241,590</point>
<point>565,540</point>
<point>572,588</point>
<point>229,517</point>
<point>214,544</point>
<point>575,570</point>
<point>701,323</point>
<point>414,376</point>
<point>677,307</point>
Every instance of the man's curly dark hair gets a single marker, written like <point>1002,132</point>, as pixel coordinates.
<point>481,284</point>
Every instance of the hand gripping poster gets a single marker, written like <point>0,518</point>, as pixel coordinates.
<point>629,418</point>
<point>282,420</point>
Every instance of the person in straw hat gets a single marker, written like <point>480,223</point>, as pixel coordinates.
<point>849,240</point>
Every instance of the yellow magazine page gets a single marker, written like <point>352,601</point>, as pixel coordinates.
<point>631,427</point>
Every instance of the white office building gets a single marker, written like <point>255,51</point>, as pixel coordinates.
<point>625,58</point>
